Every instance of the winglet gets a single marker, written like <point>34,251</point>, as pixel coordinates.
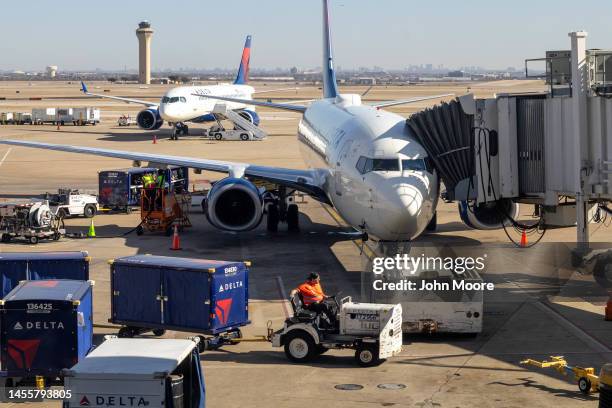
<point>330,88</point>
<point>83,87</point>
<point>243,71</point>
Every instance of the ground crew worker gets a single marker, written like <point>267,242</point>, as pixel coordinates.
<point>148,181</point>
<point>314,298</point>
<point>159,181</point>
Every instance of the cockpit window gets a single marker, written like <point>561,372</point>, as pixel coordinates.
<point>182,98</point>
<point>165,99</point>
<point>366,165</point>
<point>174,99</point>
<point>417,164</point>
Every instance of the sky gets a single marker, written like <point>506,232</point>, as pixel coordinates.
<point>393,34</point>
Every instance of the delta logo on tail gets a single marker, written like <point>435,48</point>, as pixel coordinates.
<point>243,72</point>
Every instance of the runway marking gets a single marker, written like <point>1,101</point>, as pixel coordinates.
<point>5,156</point>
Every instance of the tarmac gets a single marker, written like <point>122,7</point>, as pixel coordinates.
<point>542,306</point>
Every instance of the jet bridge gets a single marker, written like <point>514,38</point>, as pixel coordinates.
<point>551,149</point>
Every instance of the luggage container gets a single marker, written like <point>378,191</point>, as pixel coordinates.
<point>193,295</point>
<point>120,189</point>
<point>138,373</point>
<point>43,115</point>
<point>46,327</point>
<point>19,266</point>
<point>85,116</point>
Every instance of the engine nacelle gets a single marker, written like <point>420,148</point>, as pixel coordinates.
<point>250,115</point>
<point>488,216</point>
<point>149,119</point>
<point>234,204</point>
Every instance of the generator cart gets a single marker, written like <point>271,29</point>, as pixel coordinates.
<point>161,210</point>
<point>31,221</point>
<point>374,331</point>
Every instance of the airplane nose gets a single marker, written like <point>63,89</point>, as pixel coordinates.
<point>406,210</point>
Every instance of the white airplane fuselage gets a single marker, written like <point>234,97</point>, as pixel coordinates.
<point>395,204</point>
<point>180,105</point>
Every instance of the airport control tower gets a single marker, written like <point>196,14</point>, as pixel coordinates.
<point>144,34</point>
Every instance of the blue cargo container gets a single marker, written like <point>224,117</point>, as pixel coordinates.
<point>193,295</point>
<point>46,327</point>
<point>18,266</point>
<point>120,189</point>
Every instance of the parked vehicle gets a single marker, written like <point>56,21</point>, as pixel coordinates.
<point>68,203</point>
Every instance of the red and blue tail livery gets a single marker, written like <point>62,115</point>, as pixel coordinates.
<point>243,72</point>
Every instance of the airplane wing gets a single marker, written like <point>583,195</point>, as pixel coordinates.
<point>283,106</point>
<point>118,98</point>
<point>275,90</point>
<point>307,181</point>
<point>406,101</point>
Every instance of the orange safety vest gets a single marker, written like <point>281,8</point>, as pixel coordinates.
<point>311,293</point>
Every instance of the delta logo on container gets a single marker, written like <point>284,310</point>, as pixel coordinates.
<point>230,285</point>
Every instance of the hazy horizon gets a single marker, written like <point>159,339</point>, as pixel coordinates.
<point>392,34</point>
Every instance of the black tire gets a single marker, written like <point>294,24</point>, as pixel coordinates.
<point>204,209</point>
<point>433,224</point>
<point>244,137</point>
<point>139,230</point>
<point>186,130</point>
<point>293,218</point>
<point>584,385</point>
<point>218,136</point>
<point>159,332</point>
<point>57,236</point>
<point>33,240</point>
<point>89,211</point>
<point>300,347</point>
<point>202,344</point>
<point>367,355</point>
<point>125,333</point>
<point>272,218</point>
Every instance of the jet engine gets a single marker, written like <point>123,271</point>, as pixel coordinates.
<point>234,204</point>
<point>149,119</point>
<point>490,215</point>
<point>250,115</point>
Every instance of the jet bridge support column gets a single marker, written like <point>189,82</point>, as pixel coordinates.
<point>580,131</point>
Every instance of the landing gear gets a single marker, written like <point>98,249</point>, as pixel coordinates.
<point>282,209</point>
<point>177,129</point>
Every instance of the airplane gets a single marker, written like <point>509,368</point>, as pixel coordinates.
<point>179,105</point>
<point>364,161</point>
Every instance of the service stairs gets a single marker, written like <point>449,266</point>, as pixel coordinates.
<point>240,122</point>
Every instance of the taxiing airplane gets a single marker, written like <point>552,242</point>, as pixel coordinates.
<point>179,105</point>
<point>364,161</point>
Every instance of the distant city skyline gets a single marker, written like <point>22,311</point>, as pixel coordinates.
<point>391,34</point>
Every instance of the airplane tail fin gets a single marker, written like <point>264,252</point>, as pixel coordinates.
<point>330,88</point>
<point>83,87</point>
<point>243,72</point>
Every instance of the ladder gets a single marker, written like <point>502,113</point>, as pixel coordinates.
<point>239,121</point>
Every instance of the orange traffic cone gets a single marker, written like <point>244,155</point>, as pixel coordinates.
<point>176,241</point>
<point>154,139</point>
<point>524,239</point>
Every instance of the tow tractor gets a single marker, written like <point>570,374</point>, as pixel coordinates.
<point>585,376</point>
<point>68,202</point>
<point>374,331</point>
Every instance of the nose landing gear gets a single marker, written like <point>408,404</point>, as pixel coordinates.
<point>177,129</point>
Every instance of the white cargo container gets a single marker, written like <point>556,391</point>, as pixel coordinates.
<point>43,115</point>
<point>86,115</point>
<point>76,116</point>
